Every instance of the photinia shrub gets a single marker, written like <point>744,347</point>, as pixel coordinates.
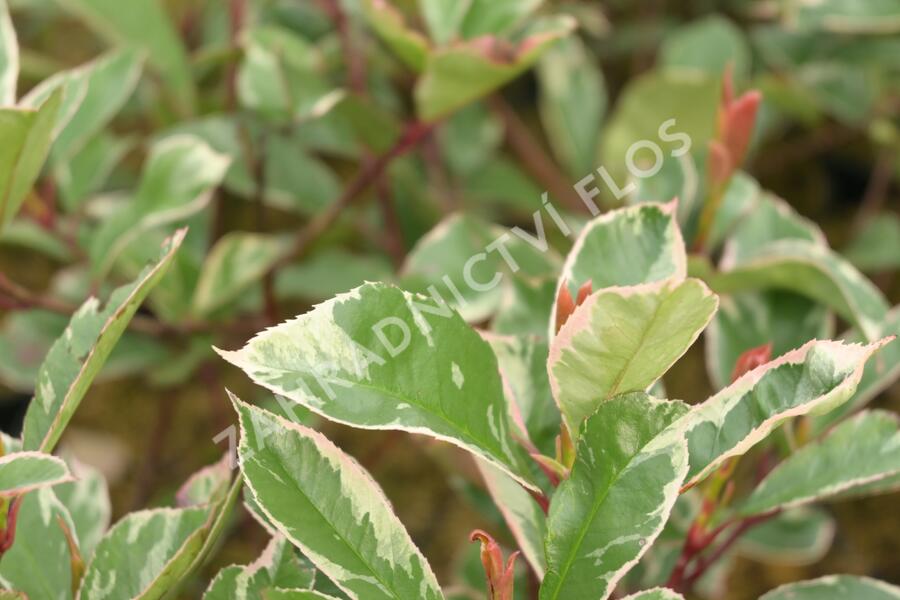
<point>534,356</point>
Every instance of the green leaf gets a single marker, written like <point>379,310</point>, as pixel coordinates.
<point>88,503</point>
<point>457,75</point>
<point>877,247</point>
<point>655,594</point>
<point>38,563</point>
<point>279,594</point>
<point>798,537</point>
<point>523,367</point>
<point>388,22</point>
<point>834,16</point>
<point>835,587</point>
<point>615,503</point>
<point>443,18</point>
<point>330,272</point>
<point>237,261</point>
<point>148,553</point>
<point>572,104</point>
<point>521,512</point>
<point>87,171</point>
<point>296,181</point>
<point>207,485</point>
<point>22,472</point>
<point>75,359</point>
<point>525,307</point>
<point>31,235</point>
<point>749,320</point>
<point>330,508</point>
<point>495,17</point>
<point>145,25</point>
<point>9,58</point>
<point>817,377</point>
<point>26,134</point>
<point>626,247</point>
<point>276,567</point>
<point>381,358</point>
<point>622,340</point>
<point>861,450</point>
<point>176,182</point>
<point>708,45</point>
<point>813,271</point>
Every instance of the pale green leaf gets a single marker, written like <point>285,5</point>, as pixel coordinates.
<point>26,134</point>
<point>708,45</point>
<point>655,594</point>
<point>618,497</point>
<point>144,25</point>
<point>459,74</point>
<point>408,44</point>
<point>329,507</point>
<point>176,182</point>
<point>521,512</point>
<point>87,171</point>
<point>813,271</point>
<point>33,236</point>
<point>835,587</point>
<point>87,500</point>
<point>38,563</point>
<point>861,450</point>
<point>207,485</point>
<point>622,340</point>
<point>495,17</point>
<point>237,261</point>
<point>9,58</point>
<point>877,246</point>
<point>837,16</point>
<point>75,358</point>
<point>330,272</point>
<point>816,377</point>
<point>21,472</point>
<point>572,104</point>
<point>525,307</point>
<point>279,594</point>
<point>381,358</point>
<point>799,537</point>
<point>443,18</point>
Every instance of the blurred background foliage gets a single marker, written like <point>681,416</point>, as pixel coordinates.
<point>257,122</point>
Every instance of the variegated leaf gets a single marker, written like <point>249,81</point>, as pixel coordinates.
<point>87,500</point>
<point>277,567</point>
<point>861,450</point>
<point>816,377</point>
<point>380,358</point>
<point>76,358</point>
<point>629,467</point>
<point>329,507</point>
<point>622,340</point>
<point>835,587</point>
<point>801,536</point>
<point>22,472</point>
<point>655,594</point>
<point>9,58</point>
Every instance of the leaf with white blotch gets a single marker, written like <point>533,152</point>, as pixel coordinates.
<point>87,500</point>
<point>630,246</point>
<point>798,537</point>
<point>75,358</point>
<point>816,377</point>
<point>464,72</point>
<point>9,58</point>
<point>811,270</point>
<point>522,361</point>
<point>176,182</point>
<point>277,567</point>
<point>237,261</point>
<point>148,553</point>
<point>329,507</point>
<point>38,563</point>
<point>381,358</point>
<point>655,594</point>
<point>207,485</point>
<point>835,587</point>
<point>861,450</point>
<point>621,340</point>
<point>880,372</point>
<point>521,512</point>
<point>144,25</point>
<point>279,594</point>
<point>622,487</point>
<point>27,134</point>
<point>22,472</point>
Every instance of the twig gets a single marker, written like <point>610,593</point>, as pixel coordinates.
<point>237,15</point>
<point>9,532</point>
<point>533,157</point>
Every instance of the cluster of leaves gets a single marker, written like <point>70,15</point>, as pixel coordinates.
<point>604,484</point>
